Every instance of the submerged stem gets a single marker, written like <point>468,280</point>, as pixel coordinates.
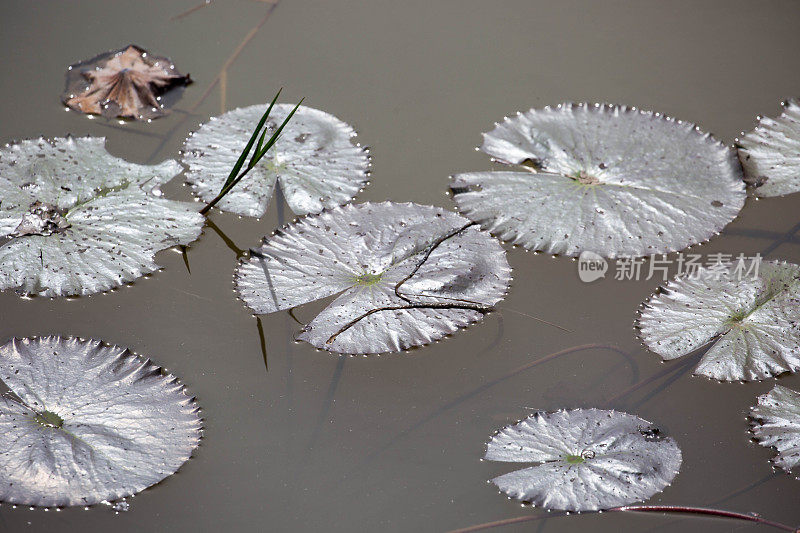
<point>678,509</point>
<point>704,511</point>
<point>683,365</point>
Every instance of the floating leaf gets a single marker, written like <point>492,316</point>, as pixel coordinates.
<point>770,154</point>
<point>76,220</point>
<point>314,160</point>
<point>589,459</point>
<point>408,274</point>
<point>752,321</point>
<point>125,83</point>
<point>90,423</point>
<point>612,180</point>
<point>776,422</point>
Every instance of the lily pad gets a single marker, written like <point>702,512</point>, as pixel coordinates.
<point>126,83</point>
<point>776,422</point>
<point>406,275</point>
<point>588,459</point>
<point>611,180</point>
<point>90,422</point>
<point>770,154</point>
<point>314,160</point>
<point>75,220</point>
<point>752,323</point>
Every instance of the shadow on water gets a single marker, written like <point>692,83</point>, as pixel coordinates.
<point>219,77</point>
<point>680,368</point>
<point>262,341</point>
<point>185,256</point>
<point>786,237</point>
<point>763,234</point>
<point>329,399</point>
<point>455,402</point>
<point>679,373</point>
<point>239,252</point>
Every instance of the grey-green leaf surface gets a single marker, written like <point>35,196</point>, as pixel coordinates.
<point>750,322</point>
<point>315,160</point>
<point>75,220</point>
<point>586,459</point>
<point>770,154</point>
<point>405,275</point>
<point>90,422</point>
<point>612,180</point>
<point>776,423</point>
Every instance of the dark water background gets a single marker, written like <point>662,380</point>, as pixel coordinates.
<point>392,443</point>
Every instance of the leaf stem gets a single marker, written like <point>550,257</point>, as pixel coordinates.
<point>678,509</point>
<point>404,307</point>
<point>425,258</point>
<point>428,253</point>
<point>412,305</point>
<point>704,511</point>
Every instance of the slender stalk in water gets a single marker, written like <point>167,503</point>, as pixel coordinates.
<point>678,509</point>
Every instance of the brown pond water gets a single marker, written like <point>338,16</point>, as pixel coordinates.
<point>392,443</point>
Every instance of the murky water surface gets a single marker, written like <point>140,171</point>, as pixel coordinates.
<point>392,443</point>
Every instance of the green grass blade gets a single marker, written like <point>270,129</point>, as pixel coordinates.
<point>257,157</point>
<point>254,160</point>
<point>277,133</point>
<point>261,149</point>
<point>242,158</point>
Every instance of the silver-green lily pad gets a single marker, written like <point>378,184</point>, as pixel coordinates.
<point>611,180</point>
<point>75,220</point>
<point>770,154</point>
<point>752,323</point>
<point>88,422</point>
<point>405,275</point>
<point>587,459</point>
<point>315,160</point>
<point>776,423</point>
